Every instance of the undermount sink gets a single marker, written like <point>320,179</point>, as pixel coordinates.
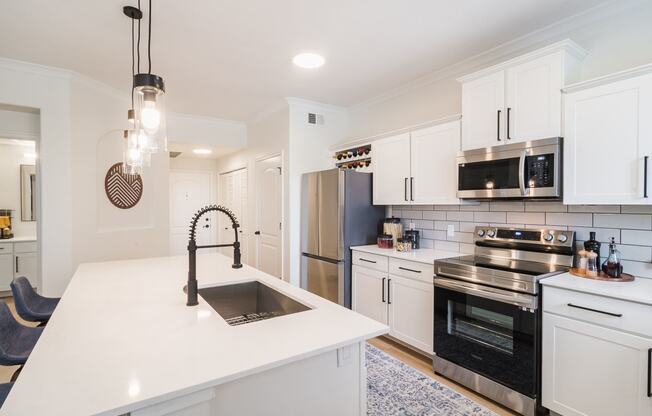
<point>242,303</point>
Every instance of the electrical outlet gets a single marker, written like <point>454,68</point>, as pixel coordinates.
<point>450,231</point>
<point>411,226</point>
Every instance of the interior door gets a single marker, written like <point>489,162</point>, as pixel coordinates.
<point>189,192</point>
<point>269,198</point>
<point>434,151</point>
<point>534,99</point>
<point>483,115</point>
<point>391,170</point>
<point>233,195</point>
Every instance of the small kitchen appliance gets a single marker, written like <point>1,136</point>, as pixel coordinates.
<point>487,313</point>
<point>413,235</point>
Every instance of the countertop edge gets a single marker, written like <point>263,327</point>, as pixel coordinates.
<point>436,254</point>
<point>560,281</point>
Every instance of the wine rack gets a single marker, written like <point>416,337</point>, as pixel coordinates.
<point>356,158</point>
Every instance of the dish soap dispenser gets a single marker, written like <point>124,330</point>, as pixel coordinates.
<point>612,266</point>
<point>593,245</point>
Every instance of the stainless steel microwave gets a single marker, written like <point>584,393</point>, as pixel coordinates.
<point>529,169</point>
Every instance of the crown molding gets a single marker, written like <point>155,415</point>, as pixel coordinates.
<point>301,102</point>
<point>606,79</point>
<point>36,69</point>
<point>506,50</point>
<point>368,139</point>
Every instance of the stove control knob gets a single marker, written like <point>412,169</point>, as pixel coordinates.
<point>480,233</point>
<point>491,233</point>
<point>562,238</point>
<point>548,237</point>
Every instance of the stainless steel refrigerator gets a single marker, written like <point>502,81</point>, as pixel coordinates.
<point>336,213</point>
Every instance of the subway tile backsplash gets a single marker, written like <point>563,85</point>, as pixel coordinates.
<point>631,226</point>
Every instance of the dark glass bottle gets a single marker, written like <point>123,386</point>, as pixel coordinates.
<point>593,245</point>
<point>612,266</point>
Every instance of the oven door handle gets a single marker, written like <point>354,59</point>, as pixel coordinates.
<point>503,296</point>
<point>521,173</point>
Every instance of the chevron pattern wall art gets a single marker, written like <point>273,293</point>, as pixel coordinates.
<point>123,190</point>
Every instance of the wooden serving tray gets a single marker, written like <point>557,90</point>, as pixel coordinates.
<point>624,277</point>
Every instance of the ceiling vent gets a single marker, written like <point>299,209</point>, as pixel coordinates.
<point>315,118</point>
<point>174,154</point>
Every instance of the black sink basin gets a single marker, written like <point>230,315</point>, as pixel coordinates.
<point>242,303</point>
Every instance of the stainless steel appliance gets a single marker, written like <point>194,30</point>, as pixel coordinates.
<point>487,314</point>
<point>336,213</point>
<point>530,169</point>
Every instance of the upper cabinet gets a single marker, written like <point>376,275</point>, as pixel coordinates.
<point>520,99</point>
<point>608,140</point>
<point>417,167</point>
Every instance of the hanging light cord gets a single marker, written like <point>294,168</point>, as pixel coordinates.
<point>149,39</point>
<point>138,44</point>
<point>132,63</point>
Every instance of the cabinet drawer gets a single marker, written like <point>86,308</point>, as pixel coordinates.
<point>6,248</point>
<point>25,247</point>
<point>412,270</point>
<point>370,261</point>
<point>600,310</point>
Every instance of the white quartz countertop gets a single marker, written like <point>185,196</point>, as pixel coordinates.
<point>18,239</point>
<point>422,255</point>
<point>122,338</point>
<point>640,290</point>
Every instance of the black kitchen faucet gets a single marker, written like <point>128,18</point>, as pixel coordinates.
<point>192,249</point>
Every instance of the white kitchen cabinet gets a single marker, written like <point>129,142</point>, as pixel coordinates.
<point>433,164</point>
<point>608,142</point>
<point>592,370</point>
<point>369,294</point>
<point>6,271</point>
<point>391,170</point>
<point>483,105</point>
<point>411,312</point>
<point>417,167</point>
<point>520,99</point>
<point>25,265</point>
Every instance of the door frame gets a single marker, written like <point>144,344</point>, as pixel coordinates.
<point>244,222</point>
<point>258,160</point>
<point>212,197</point>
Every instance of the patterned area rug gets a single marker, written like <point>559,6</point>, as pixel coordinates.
<point>395,388</point>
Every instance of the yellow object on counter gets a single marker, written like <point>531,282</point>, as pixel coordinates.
<point>5,222</point>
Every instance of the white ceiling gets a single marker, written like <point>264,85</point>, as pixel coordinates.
<point>232,58</point>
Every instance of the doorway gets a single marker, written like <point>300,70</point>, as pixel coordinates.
<point>269,215</point>
<point>233,195</point>
<point>189,191</point>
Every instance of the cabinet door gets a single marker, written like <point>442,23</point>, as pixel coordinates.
<point>6,271</point>
<point>25,265</point>
<point>434,151</point>
<point>411,311</point>
<point>591,370</point>
<point>483,102</point>
<point>391,168</point>
<point>608,135</point>
<point>534,99</point>
<point>369,293</point>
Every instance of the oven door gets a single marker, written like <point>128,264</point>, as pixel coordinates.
<point>489,331</point>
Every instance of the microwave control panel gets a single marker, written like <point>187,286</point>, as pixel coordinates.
<point>540,171</point>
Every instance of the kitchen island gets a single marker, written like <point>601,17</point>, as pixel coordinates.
<point>123,341</point>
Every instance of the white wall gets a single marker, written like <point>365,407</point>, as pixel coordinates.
<point>11,157</point>
<point>308,151</point>
<point>616,37</point>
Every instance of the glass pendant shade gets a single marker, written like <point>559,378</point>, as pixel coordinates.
<point>133,156</point>
<point>149,106</point>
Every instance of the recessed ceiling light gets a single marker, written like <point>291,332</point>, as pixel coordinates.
<point>202,151</point>
<point>308,60</point>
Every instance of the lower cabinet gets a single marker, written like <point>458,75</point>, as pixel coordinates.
<point>25,265</point>
<point>591,369</point>
<point>6,271</point>
<point>17,259</point>
<point>403,303</point>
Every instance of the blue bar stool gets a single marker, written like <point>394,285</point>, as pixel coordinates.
<point>5,388</point>
<point>31,306</point>
<point>16,341</point>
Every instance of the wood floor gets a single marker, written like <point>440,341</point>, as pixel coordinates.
<point>424,365</point>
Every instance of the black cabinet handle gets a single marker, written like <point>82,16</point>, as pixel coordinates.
<point>384,278</point>
<point>389,302</point>
<point>498,127</point>
<point>405,185</point>
<point>16,264</point>
<point>257,232</point>
<point>617,315</point>
<point>368,261</point>
<point>509,110</point>
<point>649,372</point>
<point>645,176</point>
<point>409,270</point>
<point>411,188</point>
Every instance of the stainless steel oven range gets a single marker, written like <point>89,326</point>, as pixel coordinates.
<point>487,318</point>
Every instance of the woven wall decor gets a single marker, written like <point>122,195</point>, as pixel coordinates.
<point>123,190</point>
